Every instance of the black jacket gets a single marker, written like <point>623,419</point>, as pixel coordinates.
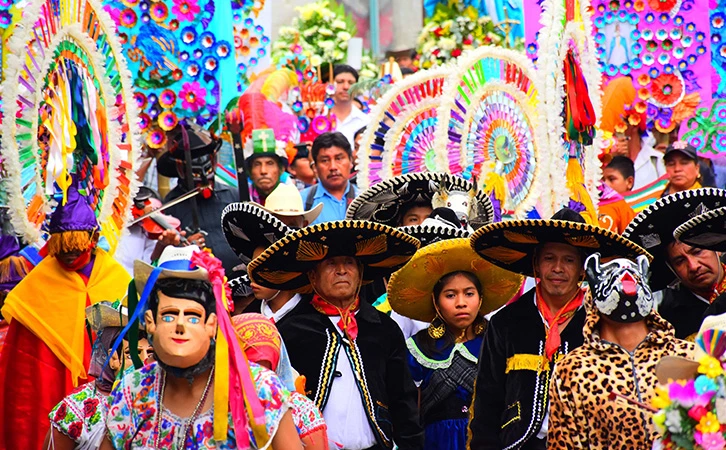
<point>683,310</point>
<point>512,386</point>
<point>314,343</point>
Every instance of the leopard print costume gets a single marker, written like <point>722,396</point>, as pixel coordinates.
<point>581,413</point>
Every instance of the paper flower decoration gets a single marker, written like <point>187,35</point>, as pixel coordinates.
<point>185,10</point>
<point>192,96</point>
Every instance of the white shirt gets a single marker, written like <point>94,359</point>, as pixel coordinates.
<point>648,164</point>
<point>409,327</point>
<point>282,312</point>
<point>356,120</point>
<point>132,246</point>
<point>344,413</point>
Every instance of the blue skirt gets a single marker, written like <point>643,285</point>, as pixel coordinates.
<point>446,435</point>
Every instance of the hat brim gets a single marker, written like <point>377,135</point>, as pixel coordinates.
<point>672,368</point>
<point>142,272</point>
<point>383,201</point>
<point>429,234</point>
<point>654,227</point>
<point>248,225</point>
<point>410,289</point>
<point>102,315</point>
<point>308,215</point>
<point>285,264</point>
<point>707,231</point>
<point>511,245</point>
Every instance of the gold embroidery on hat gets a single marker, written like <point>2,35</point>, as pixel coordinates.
<point>411,294</point>
<point>583,241</point>
<point>311,251</point>
<point>372,246</point>
<point>278,276</point>
<point>519,238</point>
<point>504,254</point>
<point>434,266</point>
<point>392,261</point>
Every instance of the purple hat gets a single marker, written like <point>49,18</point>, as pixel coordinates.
<point>9,246</point>
<point>12,268</point>
<point>75,215</point>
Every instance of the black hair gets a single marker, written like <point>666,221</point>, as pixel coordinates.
<point>408,206</point>
<point>196,290</point>
<point>331,139</point>
<point>623,165</point>
<point>344,68</point>
<point>430,345</point>
<point>358,133</point>
<point>407,71</point>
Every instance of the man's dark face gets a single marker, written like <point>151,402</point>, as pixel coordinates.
<point>265,173</point>
<point>333,166</point>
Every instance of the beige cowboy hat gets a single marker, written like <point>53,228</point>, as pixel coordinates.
<point>285,201</point>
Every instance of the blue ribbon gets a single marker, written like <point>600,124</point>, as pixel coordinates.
<point>178,265</point>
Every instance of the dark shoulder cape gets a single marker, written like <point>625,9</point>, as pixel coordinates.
<point>683,310</point>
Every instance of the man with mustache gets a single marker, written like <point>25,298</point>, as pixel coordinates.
<point>690,278</point>
<point>526,338</point>
<point>353,356</point>
<point>333,162</point>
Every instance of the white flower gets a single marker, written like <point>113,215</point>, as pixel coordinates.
<point>316,60</point>
<point>325,32</point>
<point>326,45</point>
<point>447,44</point>
<point>339,24</point>
<point>367,74</point>
<point>344,36</point>
<point>338,55</point>
<point>310,32</point>
<point>279,45</point>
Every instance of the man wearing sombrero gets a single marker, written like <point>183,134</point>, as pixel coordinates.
<point>250,228</point>
<point>691,278</point>
<point>526,338</point>
<point>45,312</point>
<point>354,357</point>
<point>706,231</point>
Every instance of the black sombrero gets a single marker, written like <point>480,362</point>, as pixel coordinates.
<point>381,250</point>
<point>240,286</point>
<point>441,225</point>
<point>707,230</point>
<point>511,244</point>
<point>653,227</point>
<point>247,225</point>
<point>383,202</point>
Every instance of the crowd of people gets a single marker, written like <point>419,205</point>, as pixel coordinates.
<point>320,316</point>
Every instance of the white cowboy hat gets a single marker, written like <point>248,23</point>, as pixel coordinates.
<point>285,200</point>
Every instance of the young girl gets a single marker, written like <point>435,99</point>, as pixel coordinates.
<point>451,287</point>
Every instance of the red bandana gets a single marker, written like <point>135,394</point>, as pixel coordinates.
<point>347,321</point>
<point>553,340</point>
<point>720,287</point>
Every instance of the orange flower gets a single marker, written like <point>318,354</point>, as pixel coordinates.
<point>643,79</point>
<point>643,94</point>
<point>639,5</point>
<point>666,89</point>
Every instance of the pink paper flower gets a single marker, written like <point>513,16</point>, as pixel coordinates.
<point>185,10</point>
<point>710,441</point>
<point>683,393</point>
<point>193,96</point>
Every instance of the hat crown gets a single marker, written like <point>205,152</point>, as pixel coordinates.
<point>284,198</point>
<point>73,215</point>
<point>171,254</point>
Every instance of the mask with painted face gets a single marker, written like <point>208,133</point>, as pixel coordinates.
<point>620,288</point>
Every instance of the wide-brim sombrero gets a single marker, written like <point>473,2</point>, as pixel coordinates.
<point>511,244</point>
<point>285,264</point>
<point>240,286</point>
<point>247,225</point>
<point>384,201</point>
<point>707,230</point>
<point>428,234</point>
<point>653,228</point>
<point>410,289</point>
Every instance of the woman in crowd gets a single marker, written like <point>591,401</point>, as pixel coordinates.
<point>681,161</point>
<point>263,345</point>
<point>454,289</point>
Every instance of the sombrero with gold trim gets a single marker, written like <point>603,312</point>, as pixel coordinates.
<point>511,245</point>
<point>707,230</point>
<point>441,225</point>
<point>654,227</point>
<point>247,225</point>
<point>384,201</point>
<point>285,264</point>
<point>410,289</point>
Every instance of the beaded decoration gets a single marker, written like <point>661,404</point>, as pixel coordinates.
<point>67,109</point>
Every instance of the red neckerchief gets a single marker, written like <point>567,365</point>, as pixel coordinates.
<point>78,263</point>
<point>347,321</point>
<point>720,287</point>
<point>552,330</point>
